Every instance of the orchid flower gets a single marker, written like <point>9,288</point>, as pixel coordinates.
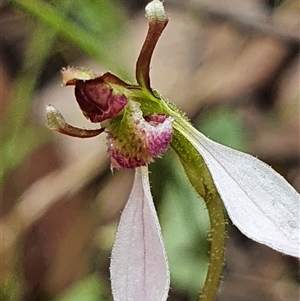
<point>140,125</point>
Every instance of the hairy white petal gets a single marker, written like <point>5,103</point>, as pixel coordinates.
<point>259,201</point>
<point>139,267</point>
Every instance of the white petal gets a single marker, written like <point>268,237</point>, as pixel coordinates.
<point>260,202</point>
<point>139,268</point>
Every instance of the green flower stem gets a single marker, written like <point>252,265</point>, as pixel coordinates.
<point>194,166</point>
<point>203,183</point>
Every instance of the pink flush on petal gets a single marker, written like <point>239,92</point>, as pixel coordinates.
<point>149,138</point>
<point>139,267</point>
<point>159,133</point>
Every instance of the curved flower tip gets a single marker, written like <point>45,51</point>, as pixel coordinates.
<point>56,122</point>
<point>259,201</point>
<point>137,140</point>
<point>155,11</point>
<point>157,22</point>
<point>139,267</point>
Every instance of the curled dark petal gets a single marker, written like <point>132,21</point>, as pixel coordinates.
<point>97,100</point>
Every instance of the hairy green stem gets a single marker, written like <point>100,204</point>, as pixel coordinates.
<point>201,180</point>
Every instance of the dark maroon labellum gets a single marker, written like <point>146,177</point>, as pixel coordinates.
<point>97,100</point>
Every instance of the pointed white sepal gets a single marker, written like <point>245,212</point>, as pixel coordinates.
<point>139,267</point>
<point>259,201</point>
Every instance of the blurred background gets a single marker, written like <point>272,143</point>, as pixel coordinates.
<point>232,65</point>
